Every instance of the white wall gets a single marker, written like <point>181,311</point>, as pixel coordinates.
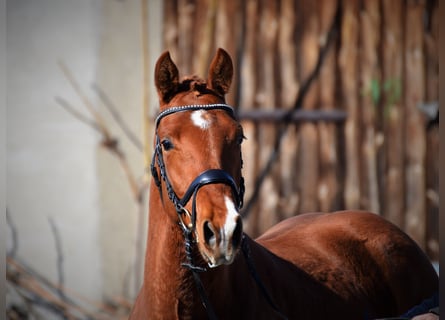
<point>2,146</point>
<point>51,169</point>
<point>55,166</point>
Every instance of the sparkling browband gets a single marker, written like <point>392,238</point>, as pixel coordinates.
<point>171,110</point>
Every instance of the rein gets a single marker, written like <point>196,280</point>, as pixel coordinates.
<point>211,176</point>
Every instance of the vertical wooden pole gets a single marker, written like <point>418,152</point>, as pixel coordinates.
<point>227,36</point>
<point>432,148</point>
<point>266,133</point>
<point>287,51</point>
<point>415,124</point>
<point>328,187</point>
<point>369,102</point>
<point>204,32</point>
<point>170,27</point>
<point>348,71</point>
<point>392,42</point>
<point>248,85</point>
<point>186,9</point>
<point>308,161</point>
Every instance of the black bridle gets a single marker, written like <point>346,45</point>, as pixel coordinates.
<point>211,176</point>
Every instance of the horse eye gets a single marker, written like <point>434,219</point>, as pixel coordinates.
<point>167,144</point>
<point>240,135</point>
<point>240,139</point>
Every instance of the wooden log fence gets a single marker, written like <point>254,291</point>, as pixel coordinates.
<point>360,140</point>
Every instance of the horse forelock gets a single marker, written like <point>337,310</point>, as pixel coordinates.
<point>192,83</point>
<point>196,86</point>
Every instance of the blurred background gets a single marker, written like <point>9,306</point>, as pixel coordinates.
<point>356,80</point>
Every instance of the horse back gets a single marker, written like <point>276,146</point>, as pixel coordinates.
<point>359,255</point>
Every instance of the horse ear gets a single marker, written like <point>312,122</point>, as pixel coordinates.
<point>220,72</point>
<point>166,77</point>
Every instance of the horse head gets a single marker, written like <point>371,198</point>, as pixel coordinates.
<point>197,162</point>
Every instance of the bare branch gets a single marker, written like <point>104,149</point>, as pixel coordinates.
<point>37,290</point>
<point>60,273</point>
<point>12,252</point>
<point>116,116</point>
<point>64,104</point>
<point>99,121</point>
<point>108,141</point>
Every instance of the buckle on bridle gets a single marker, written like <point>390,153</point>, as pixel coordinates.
<point>180,209</point>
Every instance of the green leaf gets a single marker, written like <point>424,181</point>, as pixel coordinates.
<point>375,91</point>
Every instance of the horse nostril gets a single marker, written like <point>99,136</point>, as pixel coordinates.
<point>209,234</point>
<point>237,233</point>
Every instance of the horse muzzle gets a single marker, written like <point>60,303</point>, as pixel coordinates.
<point>220,244</point>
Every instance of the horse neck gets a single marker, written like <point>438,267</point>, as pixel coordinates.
<point>166,284</point>
<point>169,290</point>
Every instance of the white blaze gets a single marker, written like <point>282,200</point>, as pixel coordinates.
<point>232,216</point>
<point>199,120</point>
<point>230,224</point>
<point>225,246</point>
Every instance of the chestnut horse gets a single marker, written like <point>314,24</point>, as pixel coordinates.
<point>342,265</point>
